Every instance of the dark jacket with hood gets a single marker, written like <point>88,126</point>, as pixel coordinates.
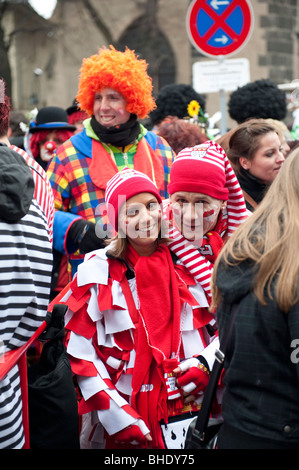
<point>261,397</point>
<point>16,185</point>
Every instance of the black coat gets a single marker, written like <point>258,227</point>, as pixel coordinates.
<point>261,397</point>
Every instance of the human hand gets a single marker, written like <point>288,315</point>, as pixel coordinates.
<point>82,235</point>
<point>192,377</point>
<point>133,434</point>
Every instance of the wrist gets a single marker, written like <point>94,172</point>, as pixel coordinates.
<point>203,368</point>
<point>203,362</point>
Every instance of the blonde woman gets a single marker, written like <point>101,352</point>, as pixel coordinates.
<point>259,270</point>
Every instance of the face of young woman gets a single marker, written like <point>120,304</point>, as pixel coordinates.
<point>195,214</point>
<point>267,160</point>
<point>109,108</point>
<point>140,220</point>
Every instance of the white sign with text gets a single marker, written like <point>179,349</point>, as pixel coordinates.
<point>216,75</point>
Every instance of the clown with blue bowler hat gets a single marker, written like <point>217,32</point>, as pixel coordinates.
<point>49,130</point>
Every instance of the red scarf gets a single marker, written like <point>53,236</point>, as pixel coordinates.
<point>158,337</point>
<point>103,167</point>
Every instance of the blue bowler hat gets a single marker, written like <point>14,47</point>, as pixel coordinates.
<point>51,118</point>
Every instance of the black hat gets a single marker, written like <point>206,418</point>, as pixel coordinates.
<point>51,118</point>
<point>75,107</point>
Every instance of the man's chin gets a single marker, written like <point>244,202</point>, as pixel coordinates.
<point>193,238</point>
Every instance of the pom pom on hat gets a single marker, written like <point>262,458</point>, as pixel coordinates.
<point>124,185</point>
<point>200,169</point>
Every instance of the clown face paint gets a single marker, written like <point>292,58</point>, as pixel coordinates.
<point>195,214</point>
<point>109,108</point>
<point>47,148</point>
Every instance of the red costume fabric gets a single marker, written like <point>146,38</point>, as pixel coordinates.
<point>122,332</point>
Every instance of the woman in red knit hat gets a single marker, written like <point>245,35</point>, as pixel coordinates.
<point>131,320</point>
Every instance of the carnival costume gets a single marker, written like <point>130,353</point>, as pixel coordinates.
<point>130,322</point>
<point>211,174</point>
<point>82,166</point>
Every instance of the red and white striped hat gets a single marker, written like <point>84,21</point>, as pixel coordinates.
<point>206,169</point>
<point>124,185</point>
<point>200,169</point>
<point>212,156</point>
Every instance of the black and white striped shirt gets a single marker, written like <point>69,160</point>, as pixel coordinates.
<point>25,277</point>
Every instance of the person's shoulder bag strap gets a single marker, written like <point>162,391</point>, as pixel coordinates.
<point>205,410</point>
<point>249,199</point>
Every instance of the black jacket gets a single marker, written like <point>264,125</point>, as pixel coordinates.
<point>261,366</point>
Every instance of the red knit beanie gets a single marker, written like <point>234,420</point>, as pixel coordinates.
<point>200,169</point>
<point>124,185</point>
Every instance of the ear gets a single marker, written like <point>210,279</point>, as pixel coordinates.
<point>245,163</point>
<point>223,205</point>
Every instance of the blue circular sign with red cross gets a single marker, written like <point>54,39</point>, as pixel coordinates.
<point>219,27</point>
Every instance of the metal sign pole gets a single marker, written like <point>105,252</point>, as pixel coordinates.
<point>222,96</point>
<point>220,28</point>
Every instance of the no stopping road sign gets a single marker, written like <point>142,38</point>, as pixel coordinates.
<point>219,27</point>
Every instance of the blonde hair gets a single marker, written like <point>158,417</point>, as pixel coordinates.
<point>280,126</point>
<point>270,237</point>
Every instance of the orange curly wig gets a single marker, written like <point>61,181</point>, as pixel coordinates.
<point>122,71</point>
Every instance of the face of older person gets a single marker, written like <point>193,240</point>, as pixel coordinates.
<point>195,214</point>
<point>109,108</point>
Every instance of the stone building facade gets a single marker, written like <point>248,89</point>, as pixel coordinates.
<point>46,56</point>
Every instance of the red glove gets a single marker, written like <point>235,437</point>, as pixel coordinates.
<point>131,434</point>
<point>194,378</point>
<point>211,246</point>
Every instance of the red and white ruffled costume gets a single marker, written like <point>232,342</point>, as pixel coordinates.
<point>102,321</point>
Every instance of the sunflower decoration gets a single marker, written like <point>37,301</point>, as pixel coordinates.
<point>193,109</point>
<point>196,114</point>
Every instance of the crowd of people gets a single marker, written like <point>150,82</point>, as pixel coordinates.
<point>125,210</point>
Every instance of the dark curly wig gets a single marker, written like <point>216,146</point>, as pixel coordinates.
<point>261,99</point>
<point>173,100</point>
<point>180,133</point>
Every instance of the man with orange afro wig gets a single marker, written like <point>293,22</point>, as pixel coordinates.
<point>115,91</point>
<point>122,71</point>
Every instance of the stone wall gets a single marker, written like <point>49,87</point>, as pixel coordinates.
<point>279,30</point>
<point>72,34</point>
